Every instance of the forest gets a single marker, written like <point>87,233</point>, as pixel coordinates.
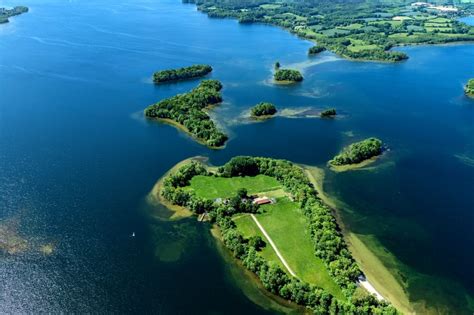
<point>328,242</point>
<point>263,109</point>
<point>180,74</point>
<point>356,29</point>
<point>187,110</point>
<point>358,152</point>
<point>289,75</point>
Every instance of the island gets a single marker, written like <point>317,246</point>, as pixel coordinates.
<point>316,50</point>
<point>173,75</point>
<point>187,112</point>
<point>269,216</point>
<point>7,13</point>
<point>263,110</point>
<point>469,88</point>
<point>361,30</point>
<point>357,154</point>
<point>287,76</point>
<point>328,113</point>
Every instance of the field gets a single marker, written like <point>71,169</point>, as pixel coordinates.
<point>283,221</point>
<point>286,225</point>
<point>218,187</point>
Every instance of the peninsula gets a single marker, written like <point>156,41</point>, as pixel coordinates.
<point>7,13</point>
<point>187,111</point>
<point>469,88</point>
<point>252,200</point>
<point>173,75</point>
<point>357,153</point>
<point>263,110</point>
<point>287,76</point>
<point>361,29</point>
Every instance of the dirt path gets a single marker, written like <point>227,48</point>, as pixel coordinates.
<point>273,246</point>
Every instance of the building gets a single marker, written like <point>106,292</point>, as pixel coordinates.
<point>262,201</point>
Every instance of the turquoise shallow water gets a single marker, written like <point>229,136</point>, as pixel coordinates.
<point>77,158</point>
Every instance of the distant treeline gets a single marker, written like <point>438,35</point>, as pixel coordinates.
<point>328,242</point>
<point>186,73</point>
<point>188,111</point>
<point>6,13</point>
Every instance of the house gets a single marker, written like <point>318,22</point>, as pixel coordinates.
<point>262,201</point>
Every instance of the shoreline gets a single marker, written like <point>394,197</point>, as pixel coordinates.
<point>378,275</point>
<point>356,166</point>
<point>186,131</point>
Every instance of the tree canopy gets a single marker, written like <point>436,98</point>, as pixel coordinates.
<point>187,110</point>
<point>263,109</point>
<point>469,88</point>
<point>172,75</point>
<point>288,75</point>
<point>358,152</point>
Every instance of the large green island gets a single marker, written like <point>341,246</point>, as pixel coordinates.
<point>270,217</point>
<point>358,29</point>
<point>186,73</point>
<point>7,13</point>
<point>469,88</point>
<point>187,112</point>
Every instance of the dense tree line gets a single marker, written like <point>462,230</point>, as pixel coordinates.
<point>328,242</point>
<point>188,110</point>
<point>263,109</point>
<point>288,75</point>
<point>326,21</point>
<point>469,88</point>
<point>6,13</point>
<point>358,152</point>
<point>185,73</point>
<point>328,113</point>
<point>316,50</point>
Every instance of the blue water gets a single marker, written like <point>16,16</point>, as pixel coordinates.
<point>77,158</point>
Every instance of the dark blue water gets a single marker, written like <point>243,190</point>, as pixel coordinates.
<point>77,158</point>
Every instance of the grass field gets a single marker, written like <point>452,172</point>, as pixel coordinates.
<point>286,225</point>
<point>219,187</point>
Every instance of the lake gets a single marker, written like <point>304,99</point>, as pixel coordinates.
<point>77,158</point>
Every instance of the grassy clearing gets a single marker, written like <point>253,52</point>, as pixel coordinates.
<point>286,225</point>
<point>218,187</point>
<point>247,226</point>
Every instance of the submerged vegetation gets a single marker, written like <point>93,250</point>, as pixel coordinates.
<point>263,109</point>
<point>328,113</point>
<point>469,88</point>
<point>358,152</point>
<point>288,75</point>
<point>329,246</point>
<point>180,74</point>
<point>357,29</point>
<point>187,111</point>
<point>6,13</point>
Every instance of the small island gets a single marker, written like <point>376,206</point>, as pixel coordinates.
<point>251,201</point>
<point>6,13</point>
<point>316,50</point>
<point>263,110</point>
<point>357,155</point>
<point>186,111</point>
<point>328,113</point>
<point>283,76</point>
<point>173,75</point>
<point>469,88</point>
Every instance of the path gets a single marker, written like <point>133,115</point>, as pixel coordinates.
<point>273,246</point>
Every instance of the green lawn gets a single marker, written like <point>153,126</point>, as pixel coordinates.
<point>286,225</point>
<point>219,187</point>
